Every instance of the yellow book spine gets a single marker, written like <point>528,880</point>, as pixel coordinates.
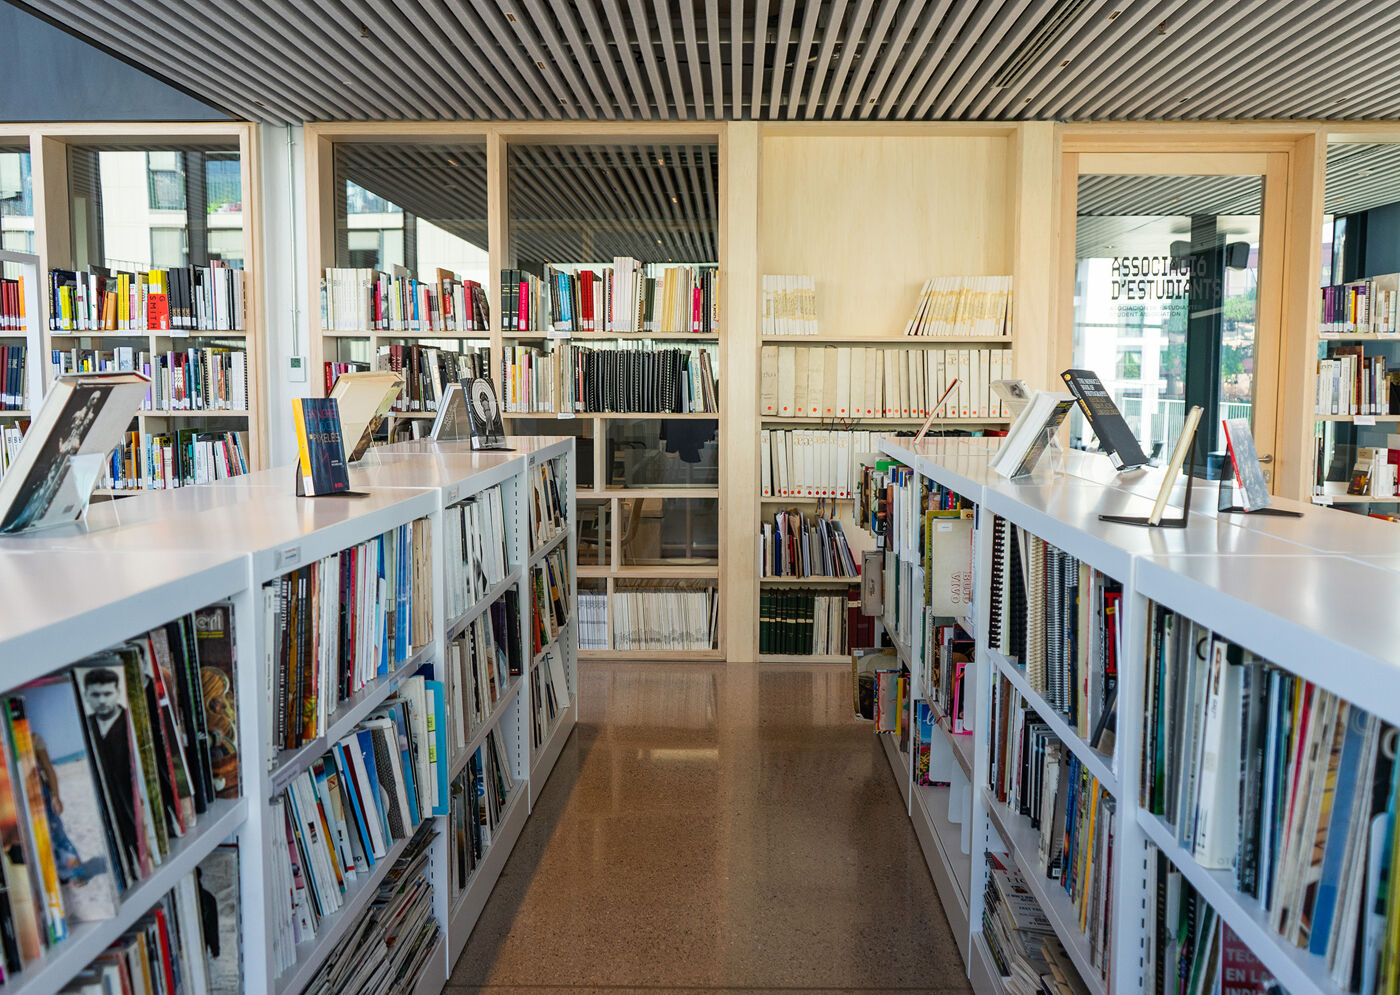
<point>303,450</point>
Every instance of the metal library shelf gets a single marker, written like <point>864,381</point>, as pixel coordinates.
<point>613,336</point>
<point>478,734</point>
<point>1299,592</point>
<point>138,564</point>
<point>627,415</point>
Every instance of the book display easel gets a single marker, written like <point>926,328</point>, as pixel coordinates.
<point>1063,611</point>
<point>54,179</point>
<point>156,557</point>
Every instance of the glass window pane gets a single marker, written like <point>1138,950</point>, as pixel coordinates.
<point>662,452</point>
<point>168,247</point>
<point>594,536</point>
<point>1165,299</point>
<point>671,531</point>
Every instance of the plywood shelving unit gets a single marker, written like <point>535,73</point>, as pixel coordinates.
<point>48,146</point>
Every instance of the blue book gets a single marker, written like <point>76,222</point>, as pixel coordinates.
<point>1359,726</point>
<point>366,741</point>
<point>437,731</point>
<point>347,778</point>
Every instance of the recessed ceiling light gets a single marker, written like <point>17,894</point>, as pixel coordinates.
<point>1114,14</point>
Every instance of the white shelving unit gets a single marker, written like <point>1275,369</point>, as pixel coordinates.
<point>140,563</point>
<point>1303,593</point>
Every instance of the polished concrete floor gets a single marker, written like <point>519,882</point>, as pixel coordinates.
<point>713,828</point>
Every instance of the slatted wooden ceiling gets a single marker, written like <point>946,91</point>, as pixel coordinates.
<point>308,60</point>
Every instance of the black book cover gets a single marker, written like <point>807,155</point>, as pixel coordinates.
<point>322,453</point>
<point>1115,437</point>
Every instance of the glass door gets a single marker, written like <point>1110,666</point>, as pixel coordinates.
<point>1176,291</point>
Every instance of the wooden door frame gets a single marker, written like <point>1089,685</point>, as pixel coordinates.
<point>1290,160</point>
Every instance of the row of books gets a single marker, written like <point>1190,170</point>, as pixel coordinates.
<point>1022,942</point>
<point>551,596</point>
<point>948,652</point>
<point>592,621</point>
<point>477,557</point>
<point>617,298</point>
<point>1375,471</point>
<point>789,305</point>
<point>188,941</point>
<point>798,545</point>
<point>891,713</point>
<point>394,936</point>
<point>548,514</point>
<point>1355,384</point>
<point>1037,777</point>
<point>103,768</point>
<point>335,625</point>
<point>369,790</point>
<point>811,463</point>
<point>665,619</point>
<point>1189,947</point>
<point>963,305</point>
<point>11,435</point>
<point>1058,618</point>
<point>1361,307</point>
<point>144,461</point>
<point>481,661</point>
<point>1291,789</point>
<point>427,371</point>
<point>363,300</point>
<point>478,801</point>
<point>549,696</point>
<point>186,298</point>
<point>810,623</point>
<point>878,382</point>
<point>14,370</point>
<point>13,317</point>
<point>571,378</point>
<point>207,379</point>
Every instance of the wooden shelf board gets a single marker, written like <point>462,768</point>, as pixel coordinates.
<point>592,415</point>
<point>812,581</point>
<point>1360,337</point>
<point>200,413</point>
<point>1378,419</point>
<point>657,572</point>
<point>878,420</point>
<point>624,336</point>
<point>657,656</point>
<point>823,339</point>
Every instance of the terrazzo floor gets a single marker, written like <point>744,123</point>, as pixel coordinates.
<point>714,828</point>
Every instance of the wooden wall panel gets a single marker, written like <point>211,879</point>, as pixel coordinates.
<point>872,217</point>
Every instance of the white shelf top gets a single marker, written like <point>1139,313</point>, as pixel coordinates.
<point>278,529</point>
<point>117,595</point>
<point>1326,618</point>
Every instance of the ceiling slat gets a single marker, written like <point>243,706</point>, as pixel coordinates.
<point>1071,60</point>
<point>830,36</point>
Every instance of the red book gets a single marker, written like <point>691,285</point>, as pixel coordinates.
<point>524,306</point>
<point>158,312</point>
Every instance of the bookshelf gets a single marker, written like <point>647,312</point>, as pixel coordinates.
<point>160,555</point>
<point>506,190</point>
<point>869,251</point>
<point>63,161</point>
<point>1296,592</point>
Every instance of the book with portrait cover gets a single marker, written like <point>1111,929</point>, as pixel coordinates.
<point>1116,439</point>
<point>321,452</point>
<point>484,414</point>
